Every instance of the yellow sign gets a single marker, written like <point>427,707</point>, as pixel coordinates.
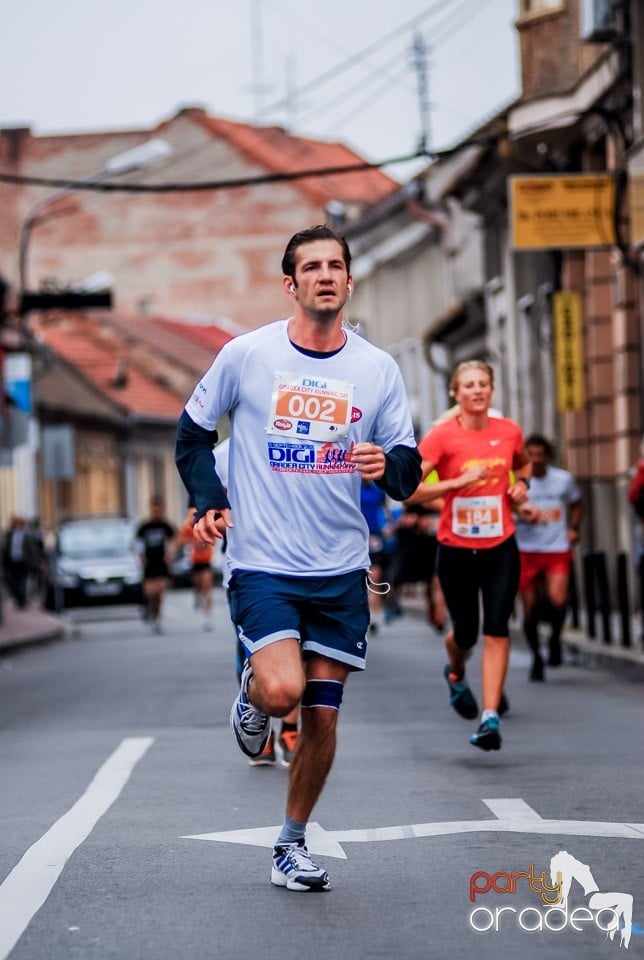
<point>560,212</point>
<point>569,360</point>
<point>636,208</point>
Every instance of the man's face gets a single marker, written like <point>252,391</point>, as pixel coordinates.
<point>321,278</point>
<point>538,458</point>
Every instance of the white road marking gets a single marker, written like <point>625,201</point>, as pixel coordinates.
<point>513,816</point>
<point>31,881</point>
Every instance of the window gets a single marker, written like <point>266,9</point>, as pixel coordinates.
<point>533,7</point>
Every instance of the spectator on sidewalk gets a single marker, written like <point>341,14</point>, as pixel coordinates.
<point>17,560</point>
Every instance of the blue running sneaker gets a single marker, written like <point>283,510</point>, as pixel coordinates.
<point>462,698</point>
<point>294,869</point>
<point>251,727</point>
<point>488,736</point>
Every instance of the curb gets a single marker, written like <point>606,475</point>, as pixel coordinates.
<point>577,641</point>
<point>45,633</point>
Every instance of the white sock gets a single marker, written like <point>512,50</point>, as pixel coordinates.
<point>487,714</point>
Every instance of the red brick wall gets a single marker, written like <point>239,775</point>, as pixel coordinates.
<point>552,58</point>
<point>215,253</point>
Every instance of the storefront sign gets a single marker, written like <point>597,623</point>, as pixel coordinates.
<point>568,351</point>
<point>562,212</point>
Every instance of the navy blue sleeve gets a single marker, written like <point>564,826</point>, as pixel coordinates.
<point>196,465</point>
<point>403,472</point>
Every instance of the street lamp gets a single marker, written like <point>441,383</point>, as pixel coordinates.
<point>146,154</point>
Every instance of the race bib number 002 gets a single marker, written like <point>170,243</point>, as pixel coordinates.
<point>319,409</point>
<point>477,517</point>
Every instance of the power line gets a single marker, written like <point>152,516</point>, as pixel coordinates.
<point>450,24</point>
<point>343,96</point>
<point>107,186</point>
<point>370,99</point>
<point>361,55</point>
<point>374,69</point>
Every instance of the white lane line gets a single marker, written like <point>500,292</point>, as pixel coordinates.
<point>31,881</point>
<point>514,809</point>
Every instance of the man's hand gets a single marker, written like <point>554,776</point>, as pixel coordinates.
<point>518,493</point>
<point>212,526</point>
<point>369,460</point>
<point>528,512</point>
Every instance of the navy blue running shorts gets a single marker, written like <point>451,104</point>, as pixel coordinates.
<point>328,615</point>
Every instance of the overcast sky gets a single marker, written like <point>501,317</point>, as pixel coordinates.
<point>84,65</point>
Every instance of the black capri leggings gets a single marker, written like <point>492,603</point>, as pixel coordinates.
<point>463,573</point>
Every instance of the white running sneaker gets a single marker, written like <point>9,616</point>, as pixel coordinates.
<point>294,869</point>
<point>251,727</point>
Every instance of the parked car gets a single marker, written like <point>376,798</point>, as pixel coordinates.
<point>96,561</point>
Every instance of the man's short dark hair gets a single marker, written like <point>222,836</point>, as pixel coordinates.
<point>321,232</point>
<point>537,440</point>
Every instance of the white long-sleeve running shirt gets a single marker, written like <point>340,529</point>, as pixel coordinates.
<point>294,496</point>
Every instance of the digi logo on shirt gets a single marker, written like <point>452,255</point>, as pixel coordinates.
<point>303,457</point>
<point>291,457</point>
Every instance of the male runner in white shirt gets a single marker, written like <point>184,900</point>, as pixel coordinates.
<point>313,408</point>
<point>546,530</point>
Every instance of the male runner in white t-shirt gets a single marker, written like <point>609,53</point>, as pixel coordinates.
<point>313,408</point>
<point>547,527</point>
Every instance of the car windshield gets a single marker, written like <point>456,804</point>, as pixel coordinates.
<point>96,540</point>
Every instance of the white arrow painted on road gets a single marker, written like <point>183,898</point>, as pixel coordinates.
<point>512,816</point>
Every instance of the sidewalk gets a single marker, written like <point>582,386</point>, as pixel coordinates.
<point>32,625</point>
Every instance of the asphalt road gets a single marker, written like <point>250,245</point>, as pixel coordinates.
<point>115,754</point>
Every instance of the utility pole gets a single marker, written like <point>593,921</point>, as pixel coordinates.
<point>420,52</point>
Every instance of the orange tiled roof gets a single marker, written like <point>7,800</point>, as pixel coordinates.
<point>189,344</point>
<point>140,395</point>
<point>279,151</point>
<point>205,335</point>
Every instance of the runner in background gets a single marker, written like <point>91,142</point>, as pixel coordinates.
<point>201,555</point>
<point>475,455</point>
<point>373,509</point>
<point>156,539</point>
<point>547,527</point>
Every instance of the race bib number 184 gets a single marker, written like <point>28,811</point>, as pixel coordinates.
<point>477,517</point>
<point>319,409</point>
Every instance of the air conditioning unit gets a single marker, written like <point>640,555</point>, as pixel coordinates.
<point>599,21</point>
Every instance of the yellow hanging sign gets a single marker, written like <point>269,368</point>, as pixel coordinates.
<point>563,211</point>
<point>569,358</point>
